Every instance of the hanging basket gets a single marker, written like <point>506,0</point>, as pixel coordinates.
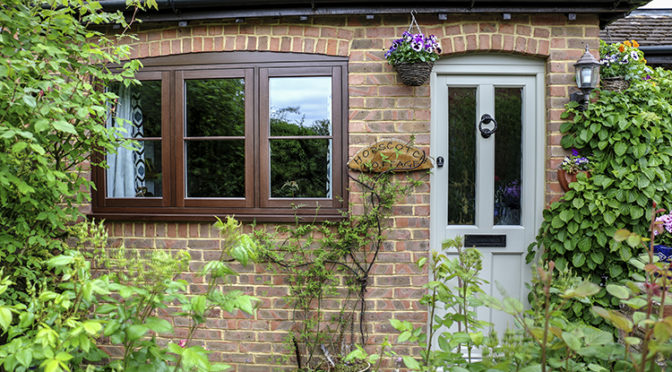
<point>614,84</point>
<point>414,74</point>
<point>565,178</point>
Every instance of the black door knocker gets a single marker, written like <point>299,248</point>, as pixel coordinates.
<point>486,119</point>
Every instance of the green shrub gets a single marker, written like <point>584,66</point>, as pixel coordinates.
<point>53,111</point>
<point>629,136</point>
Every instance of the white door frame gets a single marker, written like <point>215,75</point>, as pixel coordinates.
<point>495,65</point>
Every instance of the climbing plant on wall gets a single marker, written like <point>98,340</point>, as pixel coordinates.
<point>629,135</point>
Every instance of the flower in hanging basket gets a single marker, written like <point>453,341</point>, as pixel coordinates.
<point>570,167</point>
<point>413,48</point>
<point>662,231</point>
<point>622,60</point>
<point>575,163</point>
<point>413,56</point>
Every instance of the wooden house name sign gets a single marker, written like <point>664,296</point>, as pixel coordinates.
<point>390,155</point>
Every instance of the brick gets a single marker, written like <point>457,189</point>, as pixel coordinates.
<point>472,43</point>
<point>458,44</point>
<point>469,29</point>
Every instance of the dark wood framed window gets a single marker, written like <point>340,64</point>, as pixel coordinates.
<point>259,135</point>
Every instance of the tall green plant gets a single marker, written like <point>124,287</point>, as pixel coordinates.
<point>329,259</point>
<point>53,111</point>
<point>629,135</point>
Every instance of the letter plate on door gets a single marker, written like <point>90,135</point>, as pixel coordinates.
<point>485,241</point>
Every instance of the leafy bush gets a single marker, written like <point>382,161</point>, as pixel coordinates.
<point>52,114</point>
<point>629,135</point>
<point>60,328</point>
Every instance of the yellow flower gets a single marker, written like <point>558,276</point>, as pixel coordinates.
<point>627,43</point>
<point>621,48</point>
<point>654,83</point>
<point>635,43</point>
<point>644,60</point>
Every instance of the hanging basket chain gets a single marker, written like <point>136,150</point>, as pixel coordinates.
<point>414,22</point>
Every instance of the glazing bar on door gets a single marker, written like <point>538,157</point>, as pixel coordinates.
<point>484,241</point>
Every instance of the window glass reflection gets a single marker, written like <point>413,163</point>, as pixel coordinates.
<point>300,106</point>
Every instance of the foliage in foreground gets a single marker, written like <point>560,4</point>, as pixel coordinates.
<point>52,120</point>
<point>545,339</point>
<point>61,328</point>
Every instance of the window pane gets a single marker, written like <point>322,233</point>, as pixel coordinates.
<point>301,168</point>
<point>137,111</point>
<point>508,158</point>
<point>215,168</point>
<point>215,107</point>
<point>135,174</point>
<point>462,156</point>
<point>300,106</point>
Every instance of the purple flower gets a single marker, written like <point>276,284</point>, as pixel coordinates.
<point>634,55</point>
<point>575,152</point>
<point>648,77</point>
<point>407,36</point>
<point>416,46</point>
<point>182,343</point>
<point>666,221</point>
<point>624,60</point>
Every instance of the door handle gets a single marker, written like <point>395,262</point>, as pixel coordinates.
<point>486,119</point>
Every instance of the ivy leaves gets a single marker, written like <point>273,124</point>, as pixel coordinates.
<point>629,136</point>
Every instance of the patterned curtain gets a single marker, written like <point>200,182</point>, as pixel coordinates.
<point>126,168</point>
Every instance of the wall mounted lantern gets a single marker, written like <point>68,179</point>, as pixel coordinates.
<point>587,75</point>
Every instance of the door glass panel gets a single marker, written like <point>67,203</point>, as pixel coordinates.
<point>136,173</point>
<point>462,156</point>
<point>508,156</point>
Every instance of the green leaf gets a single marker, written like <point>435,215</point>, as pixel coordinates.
<point>572,341</point>
<point>136,331</point>
<point>195,357</point>
<point>621,235</point>
<point>5,317</point>
<point>158,325</point>
<point>61,260</point>
<point>64,126</point>
<point>531,368</point>
<point>634,240</point>
<point>618,291</point>
<point>51,365</point>
<point>410,362</point>
<point>620,148</point>
<point>245,304</point>
<point>578,259</point>
<point>198,304</point>
<point>24,356</point>
<point>92,327</point>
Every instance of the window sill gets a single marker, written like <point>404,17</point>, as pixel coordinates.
<point>280,215</point>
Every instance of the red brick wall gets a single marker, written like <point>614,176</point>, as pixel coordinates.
<point>380,107</point>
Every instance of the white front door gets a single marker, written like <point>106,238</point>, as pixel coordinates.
<point>490,187</point>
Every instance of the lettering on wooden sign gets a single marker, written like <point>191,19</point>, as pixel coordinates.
<point>390,154</point>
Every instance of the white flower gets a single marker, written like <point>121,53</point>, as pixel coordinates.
<point>634,55</point>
